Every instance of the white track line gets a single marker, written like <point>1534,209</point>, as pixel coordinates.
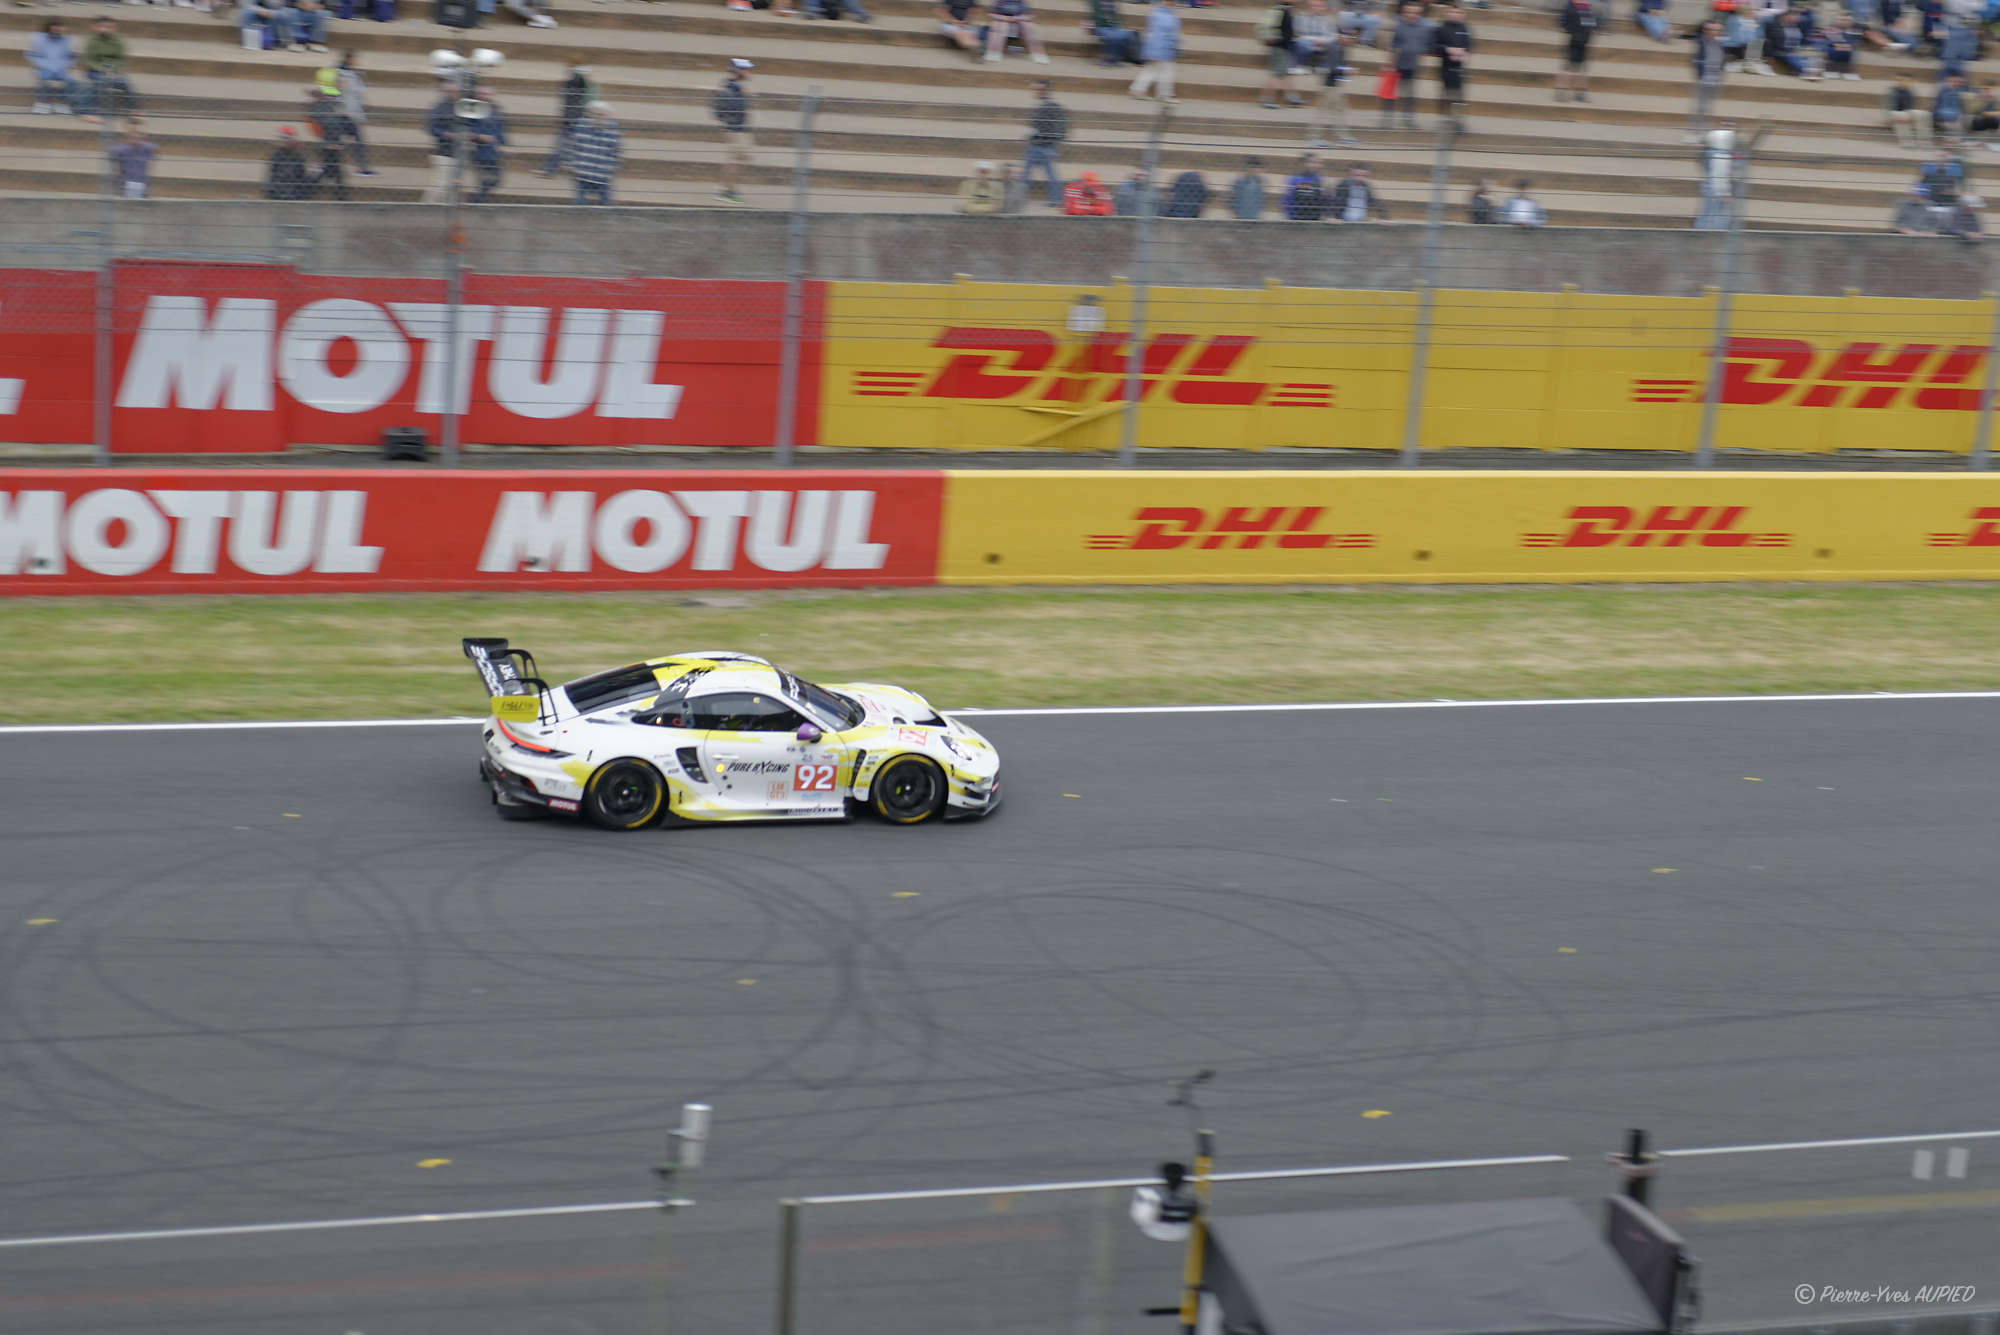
<point>610,1207</point>
<point>1061,711</point>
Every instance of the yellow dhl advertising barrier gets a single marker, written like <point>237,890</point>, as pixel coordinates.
<point>975,365</point>
<point>1250,527</point>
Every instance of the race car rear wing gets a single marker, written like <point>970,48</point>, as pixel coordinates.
<point>518,694</point>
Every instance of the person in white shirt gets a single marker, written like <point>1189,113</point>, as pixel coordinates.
<point>1521,209</point>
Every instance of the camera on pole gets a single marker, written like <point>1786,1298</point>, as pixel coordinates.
<point>1166,1213</point>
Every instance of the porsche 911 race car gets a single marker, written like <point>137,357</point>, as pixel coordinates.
<point>716,736</point>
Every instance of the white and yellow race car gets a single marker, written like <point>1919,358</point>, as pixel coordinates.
<point>717,736</point>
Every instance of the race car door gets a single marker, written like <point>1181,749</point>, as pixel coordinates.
<point>757,763</point>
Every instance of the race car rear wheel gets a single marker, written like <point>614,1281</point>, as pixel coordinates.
<point>624,795</point>
<point>908,789</point>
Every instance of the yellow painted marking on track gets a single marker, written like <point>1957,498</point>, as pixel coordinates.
<point>1748,779</point>
<point>432,1163</point>
<point>903,894</point>
<point>1663,871</point>
<point>1754,1211</point>
<point>42,922</point>
<point>291,815</point>
<point>746,982</point>
<point>1072,794</point>
<point>1376,1112</point>
<point>1565,950</point>
<point>1002,1203</point>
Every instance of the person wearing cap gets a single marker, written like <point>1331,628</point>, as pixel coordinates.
<point>982,192</point>
<point>596,149</point>
<point>285,176</point>
<point>731,107</point>
<point>333,125</point>
<point>578,92</point>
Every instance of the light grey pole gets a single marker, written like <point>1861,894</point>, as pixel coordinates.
<point>795,282</point>
<point>1982,440</point>
<point>1725,300</point>
<point>454,284</point>
<point>1420,353</point>
<point>788,1266</point>
<point>1142,278</point>
<point>104,376</point>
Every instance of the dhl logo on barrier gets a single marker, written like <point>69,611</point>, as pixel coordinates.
<point>1029,366</point>
<point>1983,534</point>
<point>1672,526</point>
<point>1165,528</point>
<point>1760,372</point>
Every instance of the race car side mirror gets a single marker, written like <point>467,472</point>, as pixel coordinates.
<point>808,733</point>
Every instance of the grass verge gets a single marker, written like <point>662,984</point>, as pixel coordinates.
<point>119,659</point>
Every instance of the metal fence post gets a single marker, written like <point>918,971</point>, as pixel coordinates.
<point>454,295</point>
<point>1982,440</point>
<point>788,1266</point>
<point>103,372</point>
<point>1142,277</point>
<point>1420,352</point>
<point>795,282</point>
<point>1725,297</point>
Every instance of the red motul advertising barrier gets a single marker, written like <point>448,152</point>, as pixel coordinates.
<point>247,358</point>
<point>222,530</point>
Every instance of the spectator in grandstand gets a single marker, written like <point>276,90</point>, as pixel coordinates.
<point>1361,19</point>
<point>981,192</point>
<point>534,13</point>
<point>1839,45</point>
<point>1278,34</point>
<point>1709,59</point>
<point>1452,44</point>
<point>1116,43</point>
<point>1986,115</point>
<point>1011,18</point>
<point>573,101</point>
<point>1246,192</point>
<point>443,125</point>
<point>1651,16</point>
<point>334,128</point>
<point>1136,194</point>
<point>309,18</point>
<point>730,106</point>
<point>1159,49</point>
<point>1906,119</point>
<point>1943,178</point>
<point>1187,197</point>
<point>489,143</point>
<point>956,20</point>
<point>1013,189</point>
<point>1313,34</point>
<point>1410,41</point>
<point>1958,46</point>
<point>1331,111</point>
<point>1578,20</point>
<point>346,84</point>
<point>1355,198</point>
<point>1913,214</point>
<point>832,9</point>
<point>1048,129</point>
<point>1743,40</point>
<point>132,161</point>
<point>597,147</point>
<point>104,63</point>
<point>1523,209</point>
<point>52,56</point>
<point>1948,108</point>
<point>1305,192</point>
<point>1479,207</point>
<point>1788,44</point>
<point>331,175</point>
<point>1086,197</point>
<point>285,175</point>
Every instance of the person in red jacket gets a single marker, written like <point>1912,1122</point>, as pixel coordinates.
<point>1086,197</point>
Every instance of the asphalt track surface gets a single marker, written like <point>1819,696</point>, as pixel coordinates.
<point>252,976</point>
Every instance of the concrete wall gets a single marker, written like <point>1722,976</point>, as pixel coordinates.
<point>704,243</point>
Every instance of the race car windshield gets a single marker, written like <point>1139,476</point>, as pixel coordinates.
<point>829,704</point>
<point>617,687</point>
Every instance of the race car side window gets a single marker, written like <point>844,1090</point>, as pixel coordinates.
<point>742,711</point>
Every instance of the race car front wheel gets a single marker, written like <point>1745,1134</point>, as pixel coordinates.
<point>624,795</point>
<point>908,789</point>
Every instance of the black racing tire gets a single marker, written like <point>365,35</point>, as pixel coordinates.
<point>625,795</point>
<point>907,790</point>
